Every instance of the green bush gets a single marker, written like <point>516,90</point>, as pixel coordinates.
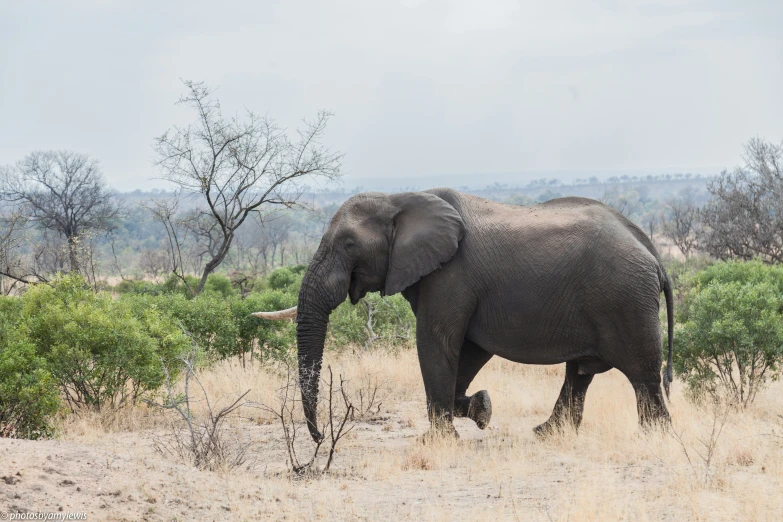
<point>131,286</point>
<point>223,326</point>
<point>206,318</point>
<point>28,393</point>
<point>393,321</point>
<point>173,285</point>
<point>284,279</point>
<point>298,269</point>
<point>730,332</point>
<point>100,350</point>
<point>216,284</point>
<point>10,316</point>
<point>219,284</point>
<point>263,339</point>
<point>683,273</point>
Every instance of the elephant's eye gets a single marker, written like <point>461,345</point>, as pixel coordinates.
<point>349,245</point>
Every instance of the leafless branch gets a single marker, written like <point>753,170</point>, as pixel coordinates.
<point>63,192</point>
<point>236,166</point>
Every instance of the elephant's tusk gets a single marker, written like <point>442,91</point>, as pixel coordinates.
<point>279,315</point>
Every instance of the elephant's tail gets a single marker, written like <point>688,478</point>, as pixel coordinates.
<point>667,371</point>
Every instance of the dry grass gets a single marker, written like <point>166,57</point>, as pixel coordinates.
<point>609,471</point>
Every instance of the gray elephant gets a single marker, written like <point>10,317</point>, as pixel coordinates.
<point>570,280</point>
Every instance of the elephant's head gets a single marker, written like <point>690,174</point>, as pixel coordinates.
<point>375,242</point>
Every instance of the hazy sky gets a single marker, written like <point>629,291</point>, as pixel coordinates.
<point>428,92</point>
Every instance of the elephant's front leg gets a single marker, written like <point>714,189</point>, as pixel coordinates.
<point>439,361</point>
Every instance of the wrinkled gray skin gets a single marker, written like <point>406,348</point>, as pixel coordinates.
<point>570,280</point>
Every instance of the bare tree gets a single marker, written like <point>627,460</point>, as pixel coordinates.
<point>279,229</point>
<point>49,255</point>
<point>626,203</point>
<point>262,242</point>
<point>154,263</point>
<point>237,166</point>
<point>11,238</point>
<point>28,255</point>
<point>744,216</point>
<point>63,192</point>
<point>165,212</point>
<point>681,223</point>
<point>651,222</point>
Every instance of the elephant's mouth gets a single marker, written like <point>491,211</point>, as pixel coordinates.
<point>361,284</point>
<point>357,290</point>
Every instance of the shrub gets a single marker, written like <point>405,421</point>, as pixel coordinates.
<point>100,351</point>
<point>173,285</point>
<point>130,286</point>
<point>374,318</point>
<point>10,316</point>
<point>683,274</point>
<point>206,317</point>
<point>28,393</point>
<point>272,338</point>
<point>220,285</point>
<point>730,336</point>
<point>216,284</point>
<point>223,327</point>
<point>285,279</point>
<point>298,269</point>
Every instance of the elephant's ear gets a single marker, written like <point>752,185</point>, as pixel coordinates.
<point>427,231</point>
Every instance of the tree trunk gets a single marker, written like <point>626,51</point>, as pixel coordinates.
<point>214,262</point>
<point>73,253</point>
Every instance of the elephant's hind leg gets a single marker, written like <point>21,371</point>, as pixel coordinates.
<point>570,403</point>
<point>649,403</point>
<point>478,406</point>
<point>644,372</point>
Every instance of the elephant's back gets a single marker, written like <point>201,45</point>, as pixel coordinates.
<point>562,232</point>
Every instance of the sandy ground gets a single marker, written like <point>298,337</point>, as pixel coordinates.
<point>609,471</point>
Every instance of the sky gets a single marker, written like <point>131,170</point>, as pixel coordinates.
<point>423,93</point>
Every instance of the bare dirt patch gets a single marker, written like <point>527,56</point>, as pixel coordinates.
<point>609,471</point>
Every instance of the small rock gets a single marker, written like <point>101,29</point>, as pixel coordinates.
<point>10,480</point>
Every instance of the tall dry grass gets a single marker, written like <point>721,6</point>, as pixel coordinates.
<point>610,470</point>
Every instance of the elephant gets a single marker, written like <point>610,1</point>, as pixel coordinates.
<point>567,281</point>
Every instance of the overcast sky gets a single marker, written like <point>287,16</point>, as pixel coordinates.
<point>427,92</point>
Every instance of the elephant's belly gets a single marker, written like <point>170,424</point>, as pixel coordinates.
<point>528,344</point>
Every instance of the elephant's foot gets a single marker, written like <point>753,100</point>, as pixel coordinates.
<point>657,422</point>
<point>480,409</point>
<point>438,432</point>
<point>552,426</point>
<point>547,429</point>
<point>557,425</point>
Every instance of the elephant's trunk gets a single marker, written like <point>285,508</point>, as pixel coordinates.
<point>310,337</point>
<point>323,289</point>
